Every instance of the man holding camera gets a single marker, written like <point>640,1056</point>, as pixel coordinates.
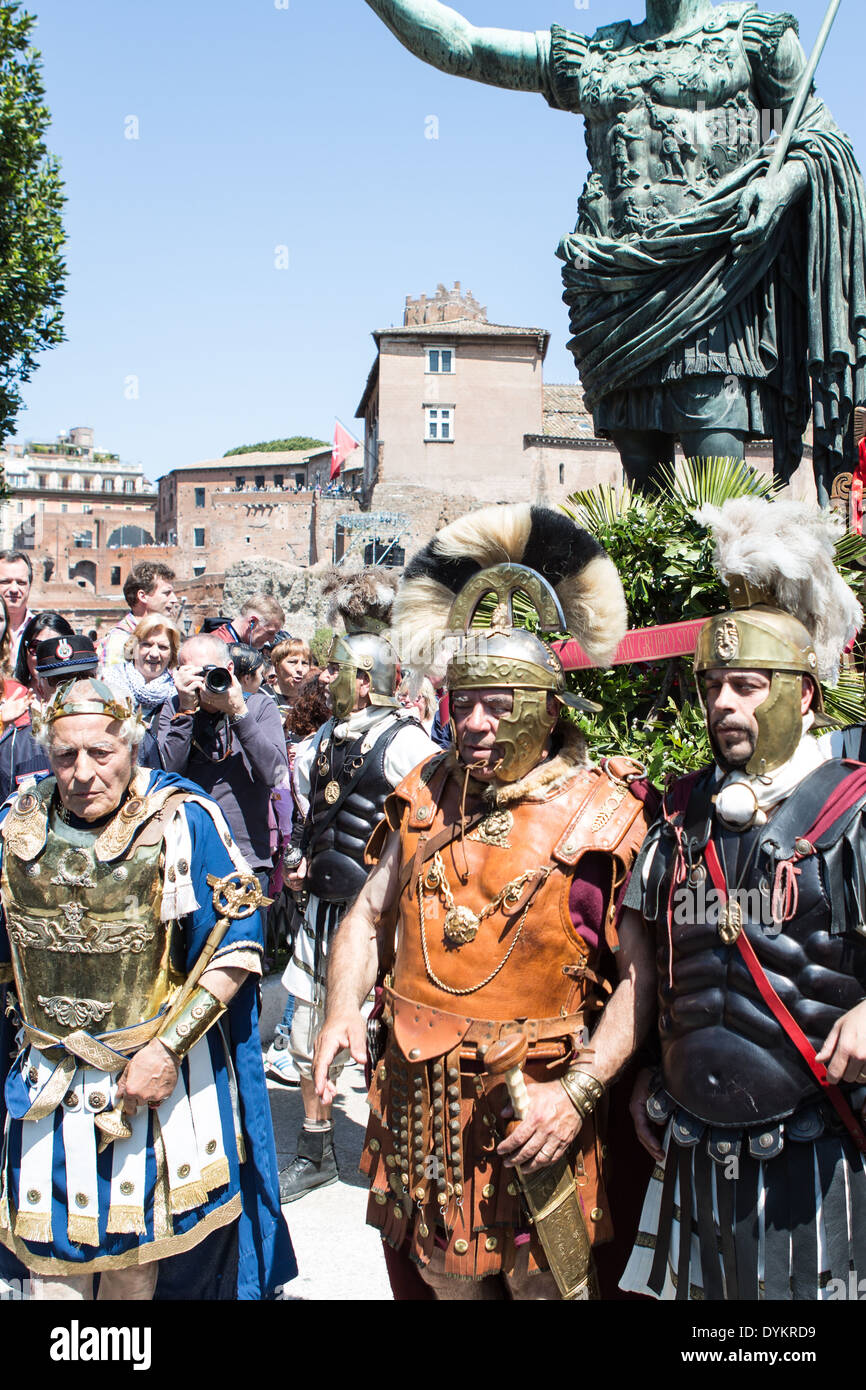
<point>230,743</point>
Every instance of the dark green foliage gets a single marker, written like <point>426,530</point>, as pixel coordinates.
<point>32,270</point>
<point>278,446</point>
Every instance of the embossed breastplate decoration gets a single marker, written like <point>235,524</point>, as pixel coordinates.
<point>88,947</point>
<point>665,121</point>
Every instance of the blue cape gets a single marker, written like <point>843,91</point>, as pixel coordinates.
<point>265,1258</point>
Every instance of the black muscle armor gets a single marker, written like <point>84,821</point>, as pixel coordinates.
<point>337,834</point>
<point>725,1058</point>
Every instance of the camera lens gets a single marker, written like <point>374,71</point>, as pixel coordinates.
<point>217,680</point>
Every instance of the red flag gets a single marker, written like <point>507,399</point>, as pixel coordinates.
<point>343,446</point>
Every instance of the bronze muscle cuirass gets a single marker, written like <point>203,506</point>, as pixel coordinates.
<point>661,134</point>
<point>88,948</point>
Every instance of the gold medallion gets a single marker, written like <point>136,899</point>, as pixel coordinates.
<point>493,829</point>
<point>332,792</point>
<point>731,923</point>
<point>461,926</point>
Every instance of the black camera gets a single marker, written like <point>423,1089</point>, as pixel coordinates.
<point>217,679</point>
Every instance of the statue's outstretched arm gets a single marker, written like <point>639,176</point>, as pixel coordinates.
<point>442,37</point>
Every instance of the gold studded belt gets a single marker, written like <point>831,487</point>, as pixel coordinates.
<point>79,1047</point>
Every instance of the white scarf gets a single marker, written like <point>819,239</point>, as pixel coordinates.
<point>737,808</point>
<point>178,893</point>
<point>363,720</point>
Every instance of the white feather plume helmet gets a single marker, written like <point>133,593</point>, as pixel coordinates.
<point>573,562</point>
<point>788,549</point>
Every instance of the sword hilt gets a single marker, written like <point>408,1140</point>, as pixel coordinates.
<point>505,1058</point>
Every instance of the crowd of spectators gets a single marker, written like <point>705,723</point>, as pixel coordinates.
<point>227,707</point>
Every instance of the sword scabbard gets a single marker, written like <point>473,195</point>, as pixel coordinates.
<point>549,1192</point>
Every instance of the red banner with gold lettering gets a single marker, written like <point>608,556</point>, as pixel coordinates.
<point>640,644</point>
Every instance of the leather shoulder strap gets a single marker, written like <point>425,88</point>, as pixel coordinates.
<point>420,779</point>
<point>806,807</point>
<point>606,812</point>
<point>315,830</point>
<point>153,831</point>
<point>426,848</point>
<point>836,814</point>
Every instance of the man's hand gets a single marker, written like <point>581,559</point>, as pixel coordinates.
<point>230,702</point>
<point>149,1078</point>
<point>763,204</point>
<point>550,1126</point>
<point>844,1050</point>
<point>646,1131</point>
<point>339,1033</point>
<point>189,681</point>
<point>295,881</point>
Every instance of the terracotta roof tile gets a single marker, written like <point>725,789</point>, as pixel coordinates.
<point>565,415</point>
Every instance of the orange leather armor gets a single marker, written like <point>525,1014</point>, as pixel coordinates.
<point>435,1115</point>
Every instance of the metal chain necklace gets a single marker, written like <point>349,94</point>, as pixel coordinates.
<point>323,767</point>
<point>451,989</point>
<point>461,923</point>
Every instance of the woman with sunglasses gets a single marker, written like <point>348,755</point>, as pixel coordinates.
<point>40,628</point>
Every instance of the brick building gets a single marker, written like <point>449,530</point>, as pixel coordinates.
<point>82,514</point>
<point>109,502</point>
<point>218,511</point>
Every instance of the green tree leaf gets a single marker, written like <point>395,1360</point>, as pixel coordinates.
<point>32,269</point>
<point>278,446</point>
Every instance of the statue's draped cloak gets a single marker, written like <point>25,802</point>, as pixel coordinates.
<point>787,321</point>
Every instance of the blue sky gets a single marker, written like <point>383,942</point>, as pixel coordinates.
<point>303,128</point>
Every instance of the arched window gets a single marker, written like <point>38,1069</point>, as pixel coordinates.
<point>129,536</point>
<point>84,574</point>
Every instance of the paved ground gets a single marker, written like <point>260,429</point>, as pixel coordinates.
<point>339,1256</point>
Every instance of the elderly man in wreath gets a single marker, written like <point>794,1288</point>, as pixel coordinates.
<point>136,1118</point>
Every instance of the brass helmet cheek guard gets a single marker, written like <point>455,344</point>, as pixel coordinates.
<point>764,638</point>
<point>522,734</point>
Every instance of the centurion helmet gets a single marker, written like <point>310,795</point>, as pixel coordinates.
<point>792,613</point>
<point>363,599</point>
<point>362,654</point>
<point>487,558</point>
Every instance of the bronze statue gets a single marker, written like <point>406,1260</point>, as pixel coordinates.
<point>712,299</point>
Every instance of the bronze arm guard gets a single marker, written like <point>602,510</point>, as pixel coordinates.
<point>186,1025</point>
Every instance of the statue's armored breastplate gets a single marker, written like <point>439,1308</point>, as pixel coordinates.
<point>665,122</point>
<point>88,948</point>
<point>348,797</point>
<point>523,958</point>
<point>725,1057</point>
